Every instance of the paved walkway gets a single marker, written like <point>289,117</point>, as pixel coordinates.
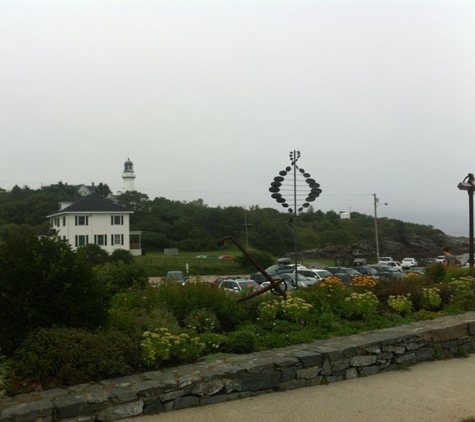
<point>441,391</point>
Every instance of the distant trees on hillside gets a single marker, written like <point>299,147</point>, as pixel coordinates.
<point>195,226</point>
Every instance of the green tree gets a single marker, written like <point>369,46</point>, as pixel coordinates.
<point>44,283</point>
<point>103,190</point>
<point>93,254</point>
<point>121,255</point>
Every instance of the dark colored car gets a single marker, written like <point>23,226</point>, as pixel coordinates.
<point>342,275</point>
<point>365,270</point>
<point>176,276</point>
<point>258,278</point>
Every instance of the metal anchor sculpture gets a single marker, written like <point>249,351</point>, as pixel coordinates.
<point>275,285</point>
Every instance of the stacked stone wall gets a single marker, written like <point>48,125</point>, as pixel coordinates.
<point>240,376</point>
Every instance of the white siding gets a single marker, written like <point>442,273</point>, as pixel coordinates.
<point>98,224</point>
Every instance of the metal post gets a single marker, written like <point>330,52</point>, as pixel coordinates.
<point>470,246</point>
<point>468,184</point>
<point>376,225</point>
<point>295,157</point>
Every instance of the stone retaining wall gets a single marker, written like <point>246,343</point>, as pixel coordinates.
<point>203,383</point>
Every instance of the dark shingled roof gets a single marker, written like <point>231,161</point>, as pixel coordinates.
<point>92,203</point>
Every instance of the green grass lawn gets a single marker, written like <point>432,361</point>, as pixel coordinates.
<point>157,263</point>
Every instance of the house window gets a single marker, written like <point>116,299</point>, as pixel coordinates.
<point>82,220</point>
<point>64,220</point>
<point>117,220</point>
<point>117,239</point>
<point>81,240</point>
<point>100,239</point>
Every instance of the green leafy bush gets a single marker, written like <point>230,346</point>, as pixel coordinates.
<point>361,304</point>
<point>118,277</point>
<point>43,283</point>
<point>134,322</point>
<point>4,375</point>
<point>402,304</point>
<point>161,345</point>
<point>121,255</point>
<point>213,342</point>
<point>93,254</point>
<point>431,299</point>
<point>54,357</point>
<point>202,321</point>
<point>328,294</point>
<point>242,341</point>
<point>182,300</point>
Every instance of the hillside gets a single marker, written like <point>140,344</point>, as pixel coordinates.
<point>194,226</point>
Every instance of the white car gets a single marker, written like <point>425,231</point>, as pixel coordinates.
<point>394,264</point>
<point>385,259</point>
<point>440,259</point>
<point>314,275</point>
<point>408,263</point>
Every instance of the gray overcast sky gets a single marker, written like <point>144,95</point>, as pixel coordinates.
<point>207,98</point>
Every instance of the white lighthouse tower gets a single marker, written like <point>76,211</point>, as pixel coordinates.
<point>128,176</point>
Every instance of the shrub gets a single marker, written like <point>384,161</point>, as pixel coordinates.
<point>328,294</point>
<point>161,345</point>
<point>295,309</point>
<point>213,342</point>
<point>463,298</point>
<point>43,283</point>
<point>121,255</point>
<point>242,341</point>
<point>202,321</point>
<point>118,277</point>
<point>361,304</point>
<point>93,254</point>
<point>431,299</point>
<point>54,357</point>
<point>182,300</point>
<point>135,322</point>
<point>4,373</point>
<point>269,310</point>
<point>364,282</point>
<point>401,303</point>
<point>436,272</point>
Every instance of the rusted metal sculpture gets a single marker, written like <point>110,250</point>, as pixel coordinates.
<point>278,286</point>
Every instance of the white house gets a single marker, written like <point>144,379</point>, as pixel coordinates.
<point>96,220</point>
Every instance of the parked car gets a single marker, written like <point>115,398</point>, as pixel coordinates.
<point>302,281</point>
<point>289,268</point>
<point>239,285</point>
<point>384,259</point>
<point>359,261</point>
<point>408,263</point>
<point>258,278</point>
<point>226,257</point>
<point>352,272</point>
<point>216,282</point>
<point>176,276</point>
<point>384,271</point>
<point>314,275</point>
<point>440,259</point>
<point>342,275</point>
<point>367,270</point>
<point>393,264</point>
<point>285,286</point>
